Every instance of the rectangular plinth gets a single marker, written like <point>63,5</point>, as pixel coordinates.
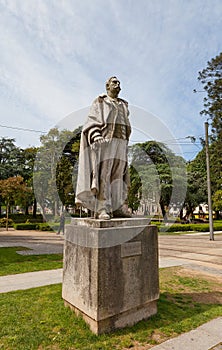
<point>127,318</point>
<point>110,273</point>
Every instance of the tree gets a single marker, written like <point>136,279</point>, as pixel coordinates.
<point>162,174</point>
<point>53,169</point>
<point>15,161</point>
<point>64,181</point>
<point>211,78</point>
<point>217,200</point>
<point>13,190</point>
<point>135,191</point>
<point>26,165</point>
<point>67,169</point>
<point>9,156</point>
<point>196,182</point>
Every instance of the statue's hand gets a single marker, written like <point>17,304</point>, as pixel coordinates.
<point>98,141</point>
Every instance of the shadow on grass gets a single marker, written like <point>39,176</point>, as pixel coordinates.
<point>180,312</point>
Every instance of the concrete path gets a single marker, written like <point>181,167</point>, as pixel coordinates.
<point>206,337</point>
<point>38,242</point>
<point>29,280</point>
<point>195,252</point>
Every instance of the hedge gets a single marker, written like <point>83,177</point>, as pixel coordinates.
<point>46,227</point>
<point>21,218</point>
<point>161,228</point>
<point>25,226</point>
<point>36,226</point>
<point>175,228</point>
<point>189,227</point>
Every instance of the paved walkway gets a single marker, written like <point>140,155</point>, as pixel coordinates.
<point>195,252</point>
<point>206,337</point>
<point>30,280</point>
<point>38,242</point>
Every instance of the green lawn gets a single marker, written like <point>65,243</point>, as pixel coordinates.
<point>12,262</point>
<point>36,319</point>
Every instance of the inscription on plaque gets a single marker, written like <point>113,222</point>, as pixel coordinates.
<point>131,249</point>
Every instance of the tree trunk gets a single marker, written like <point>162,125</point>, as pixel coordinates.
<point>217,215</point>
<point>27,210</point>
<point>7,212</point>
<point>163,210</point>
<point>34,208</point>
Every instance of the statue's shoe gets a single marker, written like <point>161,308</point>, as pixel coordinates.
<point>121,214</point>
<point>103,215</point>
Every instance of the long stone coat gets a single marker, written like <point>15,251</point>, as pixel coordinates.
<point>101,111</point>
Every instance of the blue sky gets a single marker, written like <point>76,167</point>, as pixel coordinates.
<point>56,56</point>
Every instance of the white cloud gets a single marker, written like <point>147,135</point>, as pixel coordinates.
<point>56,55</point>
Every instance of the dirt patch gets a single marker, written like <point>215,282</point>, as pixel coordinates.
<point>185,271</point>
<point>138,346</point>
<point>156,338</point>
<point>207,298</point>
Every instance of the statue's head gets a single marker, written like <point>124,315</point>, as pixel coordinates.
<point>113,85</point>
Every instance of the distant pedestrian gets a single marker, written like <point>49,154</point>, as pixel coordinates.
<point>62,224</point>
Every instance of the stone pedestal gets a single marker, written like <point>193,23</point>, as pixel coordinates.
<point>110,273</point>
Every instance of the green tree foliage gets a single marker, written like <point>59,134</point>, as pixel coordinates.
<point>9,158</point>
<point>211,78</point>
<point>27,159</point>
<point>196,182</point>
<point>217,200</point>
<point>13,191</point>
<point>162,174</point>
<point>215,152</point>
<point>53,174</point>
<point>15,161</point>
<point>135,191</point>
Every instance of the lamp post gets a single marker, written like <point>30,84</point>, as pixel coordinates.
<point>209,183</point>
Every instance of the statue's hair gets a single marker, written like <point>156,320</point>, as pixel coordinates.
<point>109,80</point>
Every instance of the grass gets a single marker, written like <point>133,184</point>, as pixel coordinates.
<point>36,319</point>
<point>13,263</point>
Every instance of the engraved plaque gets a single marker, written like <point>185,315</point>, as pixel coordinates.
<point>131,249</point>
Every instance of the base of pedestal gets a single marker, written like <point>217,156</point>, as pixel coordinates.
<point>127,318</point>
<point>111,285</point>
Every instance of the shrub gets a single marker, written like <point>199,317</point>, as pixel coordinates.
<point>36,226</point>
<point>3,222</point>
<point>21,218</point>
<point>45,227</point>
<point>25,226</point>
<point>200,227</point>
<point>176,228</point>
<point>189,227</point>
<point>218,226</point>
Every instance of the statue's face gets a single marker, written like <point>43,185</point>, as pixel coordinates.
<point>114,85</point>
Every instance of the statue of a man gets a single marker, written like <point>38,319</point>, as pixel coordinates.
<point>103,177</point>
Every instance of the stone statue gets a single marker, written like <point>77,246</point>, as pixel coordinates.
<point>103,178</point>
